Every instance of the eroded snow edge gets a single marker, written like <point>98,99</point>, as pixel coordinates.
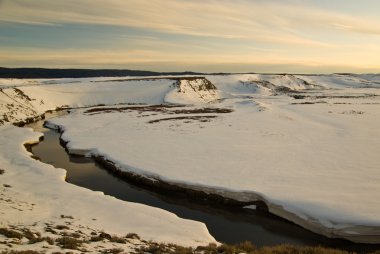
<point>355,233</point>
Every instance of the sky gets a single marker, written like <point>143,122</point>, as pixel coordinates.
<point>297,36</point>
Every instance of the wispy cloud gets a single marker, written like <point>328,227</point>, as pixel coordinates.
<point>204,32</point>
<point>268,21</point>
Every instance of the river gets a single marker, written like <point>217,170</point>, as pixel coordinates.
<point>226,224</point>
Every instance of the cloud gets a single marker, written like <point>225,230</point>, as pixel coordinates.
<point>199,33</point>
<point>278,22</point>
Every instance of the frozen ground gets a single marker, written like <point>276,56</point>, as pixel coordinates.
<point>305,145</point>
<point>35,196</point>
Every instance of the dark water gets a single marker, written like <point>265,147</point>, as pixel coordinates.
<point>230,225</point>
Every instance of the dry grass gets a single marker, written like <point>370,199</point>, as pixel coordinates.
<point>162,108</point>
<point>150,108</point>
<point>62,227</point>
<point>116,239</point>
<point>114,250</point>
<point>66,217</point>
<point>11,233</point>
<point>196,118</point>
<point>66,242</point>
<point>21,252</point>
<point>244,247</point>
<point>132,236</point>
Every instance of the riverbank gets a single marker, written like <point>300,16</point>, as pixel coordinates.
<point>302,123</point>
<point>35,196</point>
<point>227,223</point>
<point>200,155</point>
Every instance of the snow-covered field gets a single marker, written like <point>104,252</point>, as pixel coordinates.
<point>305,145</point>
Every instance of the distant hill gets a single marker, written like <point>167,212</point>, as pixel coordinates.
<point>79,73</point>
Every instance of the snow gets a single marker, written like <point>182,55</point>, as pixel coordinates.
<point>39,194</point>
<point>192,92</point>
<point>312,160</point>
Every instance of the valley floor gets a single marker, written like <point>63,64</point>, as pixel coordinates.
<point>307,146</point>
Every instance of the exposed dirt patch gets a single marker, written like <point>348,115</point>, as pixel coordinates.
<point>22,95</point>
<point>284,90</point>
<point>10,233</point>
<point>299,97</point>
<point>205,84</point>
<point>203,111</point>
<point>29,120</point>
<point>162,108</point>
<point>101,242</point>
<point>353,112</point>
<point>70,239</point>
<point>196,118</point>
<point>309,102</point>
<point>149,108</point>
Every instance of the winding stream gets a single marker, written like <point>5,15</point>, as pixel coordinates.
<point>230,225</point>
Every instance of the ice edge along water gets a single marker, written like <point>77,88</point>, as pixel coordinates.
<point>198,91</point>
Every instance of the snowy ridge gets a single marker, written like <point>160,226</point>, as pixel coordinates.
<point>192,91</point>
<point>24,100</point>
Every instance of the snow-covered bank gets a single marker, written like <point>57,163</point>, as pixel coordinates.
<point>306,145</point>
<point>33,193</point>
<point>37,194</point>
<point>282,157</point>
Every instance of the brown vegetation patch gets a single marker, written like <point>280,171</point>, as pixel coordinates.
<point>203,111</point>
<point>66,242</point>
<point>21,252</point>
<point>299,97</point>
<point>150,108</point>
<point>116,239</point>
<point>2,171</point>
<point>66,217</point>
<point>161,108</point>
<point>21,94</point>
<point>196,118</point>
<point>132,236</point>
<point>353,112</point>
<point>309,102</point>
<point>113,250</point>
<point>284,90</point>
<point>62,227</point>
<point>10,233</point>
<point>206,85</point>
<point>245,247</point>
<point>29,120</point>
